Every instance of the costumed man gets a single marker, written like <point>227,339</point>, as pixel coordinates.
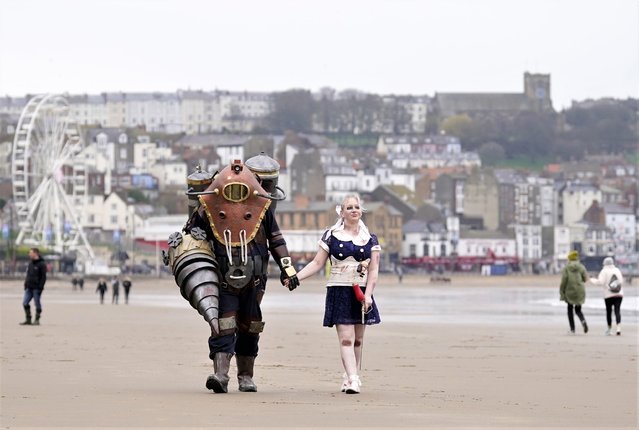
<point>220,265</point>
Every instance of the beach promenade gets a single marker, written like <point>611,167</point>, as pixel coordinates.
<point>478,352</point>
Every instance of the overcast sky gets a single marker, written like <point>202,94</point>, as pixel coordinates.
<point>590,47</point>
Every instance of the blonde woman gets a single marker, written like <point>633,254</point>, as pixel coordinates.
<point>354,255</point>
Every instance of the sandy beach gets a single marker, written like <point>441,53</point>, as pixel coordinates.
<point>478,352</point>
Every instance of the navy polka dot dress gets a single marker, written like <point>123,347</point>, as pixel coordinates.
<point>341,306</point>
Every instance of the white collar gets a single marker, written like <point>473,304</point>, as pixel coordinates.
<point>363,235</point>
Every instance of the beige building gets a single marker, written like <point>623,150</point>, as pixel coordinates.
<point>170,173</point>
<point>481,197</point>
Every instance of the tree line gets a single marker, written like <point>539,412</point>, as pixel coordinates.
<point>602,126</point>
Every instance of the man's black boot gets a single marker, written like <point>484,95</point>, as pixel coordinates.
<point>27,313</point>
<point>219,381</point>
<point>245,366</point>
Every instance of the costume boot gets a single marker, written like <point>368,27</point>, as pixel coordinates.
<point>37,318</point>
<point>27,313</point>
<point>219,381</point>
<point>245,373</point>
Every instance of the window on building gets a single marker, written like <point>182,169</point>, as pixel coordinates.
<point>426,250</point>
<point>412,250</point>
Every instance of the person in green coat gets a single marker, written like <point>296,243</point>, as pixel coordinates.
<point>572,289</point>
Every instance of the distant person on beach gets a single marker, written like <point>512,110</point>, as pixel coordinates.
<point>400,273</point>
<point>611,280</point>
<point>354,256</point>
<point>127,288</point>
<point>572,289</point>
<point>81,283</point>
<point>33,285</point>
<point>102,289</point>
<point>74,283</point>
<point>115,289</point>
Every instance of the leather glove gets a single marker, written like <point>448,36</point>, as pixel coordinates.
<point>289,273</point>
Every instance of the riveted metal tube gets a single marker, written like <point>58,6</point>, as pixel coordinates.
<point>197,275</point>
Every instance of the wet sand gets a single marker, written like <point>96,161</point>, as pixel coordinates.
<point>479,352</point>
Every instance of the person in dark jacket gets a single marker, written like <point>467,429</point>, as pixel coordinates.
<point>102,289</point>
<point>572,289</point>
<point>115,287</point>
<point>127,287</point>
<point>33,285</point>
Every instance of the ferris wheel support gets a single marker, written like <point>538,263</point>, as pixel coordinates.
<point>49,181</point>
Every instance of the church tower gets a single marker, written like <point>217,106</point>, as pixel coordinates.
<point>537,90</point>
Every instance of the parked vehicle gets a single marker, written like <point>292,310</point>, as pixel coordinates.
<point>100,268</point>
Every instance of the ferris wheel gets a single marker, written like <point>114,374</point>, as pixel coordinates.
<point>49,181</point>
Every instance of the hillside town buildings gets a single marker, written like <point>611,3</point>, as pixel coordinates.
<point>424,195</point>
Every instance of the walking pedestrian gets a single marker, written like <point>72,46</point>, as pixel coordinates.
<point>115,288</point>
<point>237,228</point>
<point>572,289</point>
<point>611,281</point>
<point>354,257</point>
<point>127,287</point>
<point>400,272</point>
<point>102,289</point>
<point>33,285</point>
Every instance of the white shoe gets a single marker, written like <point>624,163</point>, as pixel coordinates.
<point>607,333</point>
<point>344,382</point>
<point>353,385</point>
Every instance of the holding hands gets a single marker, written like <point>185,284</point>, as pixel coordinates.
<point>290,283</point>
<point>288,276</point>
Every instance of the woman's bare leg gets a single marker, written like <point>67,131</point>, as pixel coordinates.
<point>359,343</point>
<point>346,337</point>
